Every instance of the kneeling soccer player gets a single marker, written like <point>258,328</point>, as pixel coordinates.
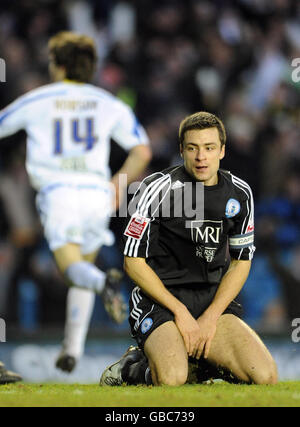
<point>184,303</point>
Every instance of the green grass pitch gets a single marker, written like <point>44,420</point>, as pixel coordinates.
<point>285,394</point>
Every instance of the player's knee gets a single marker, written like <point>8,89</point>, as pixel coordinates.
<point>265,375</point>
<point>172,376</point>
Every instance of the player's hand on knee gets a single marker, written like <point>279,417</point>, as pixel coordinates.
<point>202,349</point>
<point>208,327</point>
<point>189,329</point>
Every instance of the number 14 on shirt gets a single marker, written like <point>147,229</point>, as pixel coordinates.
<point>76,129</point>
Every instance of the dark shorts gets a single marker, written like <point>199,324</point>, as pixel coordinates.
<point>146,315</point>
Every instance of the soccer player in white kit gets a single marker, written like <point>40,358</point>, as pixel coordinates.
<point>69,124</point>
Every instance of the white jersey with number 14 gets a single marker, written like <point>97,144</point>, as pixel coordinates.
<point>69,127</point>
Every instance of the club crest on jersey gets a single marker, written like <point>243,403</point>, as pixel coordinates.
<point>233,207</point>
<point>146,325</point>
<point>137,227</point>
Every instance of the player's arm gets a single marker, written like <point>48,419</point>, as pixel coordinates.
<point>13,118</point>
<point>241,247</point>
<point>138,159</point>
<point>146,278</point>
<point>140,243</point>
<point>131,136</point>
<point>230,286</point>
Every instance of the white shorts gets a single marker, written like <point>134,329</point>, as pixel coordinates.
<point>75,213</point>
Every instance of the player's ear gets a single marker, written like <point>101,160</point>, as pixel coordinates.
<point>181,150</point>
<point>223,150</point>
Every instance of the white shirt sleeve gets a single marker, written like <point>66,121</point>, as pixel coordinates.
<point>128,132</point>
<point>13,117</point>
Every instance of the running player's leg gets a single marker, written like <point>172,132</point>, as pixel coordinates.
<point>238,348</point>
<point>91,257</point>
<point>77,270</point>
<point>85,275</point>
<point>79,309</point>
<point>167,355</point>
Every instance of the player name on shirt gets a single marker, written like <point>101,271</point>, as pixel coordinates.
<point>75,105</point>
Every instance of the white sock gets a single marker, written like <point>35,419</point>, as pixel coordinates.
<point>85,275</point>
<point>80,304</point>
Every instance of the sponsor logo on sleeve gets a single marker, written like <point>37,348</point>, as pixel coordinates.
<point>250,228</point>
<point>137,227</point>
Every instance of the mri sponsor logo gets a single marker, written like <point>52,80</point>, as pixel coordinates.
<point>2,330</point>
<point>206,232</point>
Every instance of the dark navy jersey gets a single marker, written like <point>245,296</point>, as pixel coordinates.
<point>187,231</point>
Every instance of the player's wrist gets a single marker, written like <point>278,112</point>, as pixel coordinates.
<point>212,313</point>
<point>179,309</point>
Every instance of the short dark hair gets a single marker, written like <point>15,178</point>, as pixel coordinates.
<point>76,53</point>
<point>202,120</point>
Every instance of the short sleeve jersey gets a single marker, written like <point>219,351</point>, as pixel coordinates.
<point>69,126</point>
<point>187,231</point>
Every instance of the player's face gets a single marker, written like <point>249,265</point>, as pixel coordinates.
<point>201,153</point>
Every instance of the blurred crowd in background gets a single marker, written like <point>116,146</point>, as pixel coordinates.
<point>166,59</point>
